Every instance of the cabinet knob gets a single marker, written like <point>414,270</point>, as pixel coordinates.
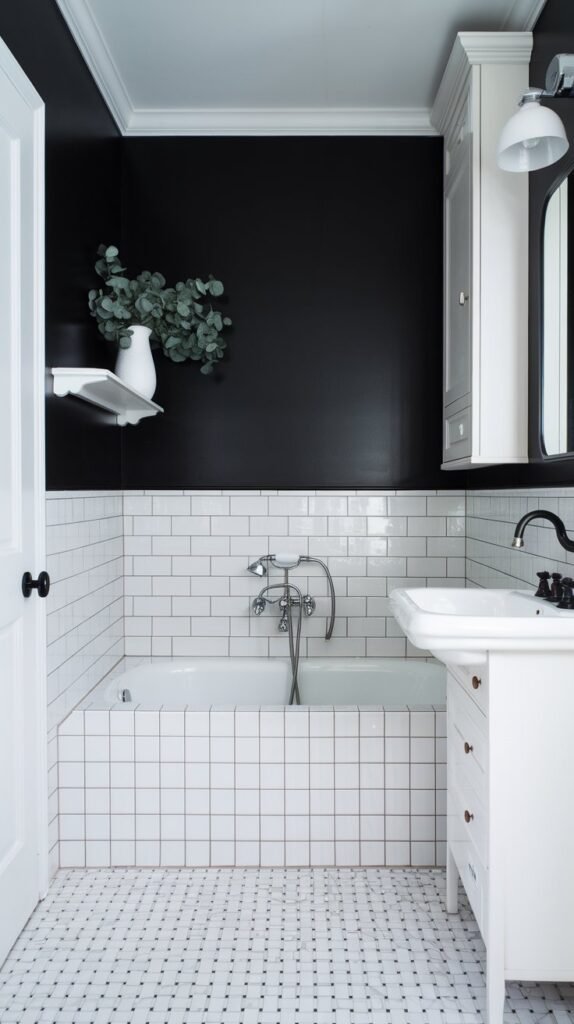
<point>476,682</point>
<point>468,817</point>
<point>462,298</point>
<point>467,748</point>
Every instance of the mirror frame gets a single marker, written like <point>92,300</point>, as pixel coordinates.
<point>542,186</point>
<point>551,192</point>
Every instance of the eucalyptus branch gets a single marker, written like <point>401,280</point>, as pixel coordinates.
<point>182,321</point>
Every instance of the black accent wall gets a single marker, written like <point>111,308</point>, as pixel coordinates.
<point>331,253</point>
<point>83,193</point>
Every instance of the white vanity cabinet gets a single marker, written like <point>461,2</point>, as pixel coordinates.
<point>510,831</point>
<point>485,254</point>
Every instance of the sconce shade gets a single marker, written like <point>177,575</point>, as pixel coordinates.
<point>533,137</point>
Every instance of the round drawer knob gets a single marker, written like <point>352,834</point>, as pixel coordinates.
<point>468,817</point>
<point>476,682</point>
<point>468,747</point>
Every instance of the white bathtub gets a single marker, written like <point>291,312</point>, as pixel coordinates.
<point>205,682</point>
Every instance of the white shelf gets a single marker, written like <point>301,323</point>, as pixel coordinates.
<point>103,388</point>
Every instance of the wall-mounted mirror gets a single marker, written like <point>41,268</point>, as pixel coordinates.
<point>558,320</point>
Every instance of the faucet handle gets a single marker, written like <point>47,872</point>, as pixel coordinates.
<point>543,586</point>
<point>556,587</point>
<point>567,598</point>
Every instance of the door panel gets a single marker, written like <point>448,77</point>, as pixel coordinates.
<point>22,621</point>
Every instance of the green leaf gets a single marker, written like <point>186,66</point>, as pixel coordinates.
<point>111,252</point>
<point>121,284</point>
<point>143,305</point>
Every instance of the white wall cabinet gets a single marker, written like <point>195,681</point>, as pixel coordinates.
<point>485,254</point>
<point>510,836</point>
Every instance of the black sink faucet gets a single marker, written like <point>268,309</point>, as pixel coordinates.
<point>563,538</point>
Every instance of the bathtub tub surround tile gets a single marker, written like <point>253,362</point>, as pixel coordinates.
<point>345,785</point>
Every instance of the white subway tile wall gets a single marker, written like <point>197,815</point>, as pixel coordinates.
<point>491,519</point>
<point>188,592</point>
<point>252,786</point>
<point>84,543</point>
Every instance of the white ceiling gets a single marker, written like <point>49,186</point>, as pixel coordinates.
<point>295,66</point>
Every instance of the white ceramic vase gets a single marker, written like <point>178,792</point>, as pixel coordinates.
<point>135,365</point>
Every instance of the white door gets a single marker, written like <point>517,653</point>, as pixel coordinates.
<point>22,621</point>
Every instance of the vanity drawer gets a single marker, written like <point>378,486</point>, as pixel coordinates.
<point>474,877</point>
<point>463,769</point>
<point>469,736</point>
<point>474,682</point>
<point>467,814</point>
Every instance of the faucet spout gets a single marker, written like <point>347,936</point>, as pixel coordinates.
<point>563,538</point>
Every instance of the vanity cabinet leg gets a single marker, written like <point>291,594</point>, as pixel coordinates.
<point>452,877</point>
<point>495,992</point>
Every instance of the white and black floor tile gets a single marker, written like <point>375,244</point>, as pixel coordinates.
<point>248,946</point>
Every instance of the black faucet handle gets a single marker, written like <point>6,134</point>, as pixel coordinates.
<point>567,599</point>
<point>556,587</point>
<point>543,586</point>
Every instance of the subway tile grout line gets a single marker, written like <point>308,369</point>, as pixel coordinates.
<point>89,568</point>
<point>86,619</point>
<point>81,699</point>
<point>96,636</point>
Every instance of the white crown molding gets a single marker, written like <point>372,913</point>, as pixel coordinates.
<point>93,47</point>
<point>217,121</point>
<point>495,47</point>
<point>472,48</point>
<point>523,15</point>
<point>297,121</point>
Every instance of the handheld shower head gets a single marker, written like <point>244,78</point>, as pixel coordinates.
<point>283,561</point>
<point>257,568</point>
<point>286,561</point>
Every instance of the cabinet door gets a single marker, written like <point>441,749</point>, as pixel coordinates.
<point>458,224</point>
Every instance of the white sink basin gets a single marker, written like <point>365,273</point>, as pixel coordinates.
<point>460,626</point>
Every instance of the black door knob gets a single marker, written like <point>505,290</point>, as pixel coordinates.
<point>42,584</point>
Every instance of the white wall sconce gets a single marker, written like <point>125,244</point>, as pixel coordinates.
<point>535,136</point>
